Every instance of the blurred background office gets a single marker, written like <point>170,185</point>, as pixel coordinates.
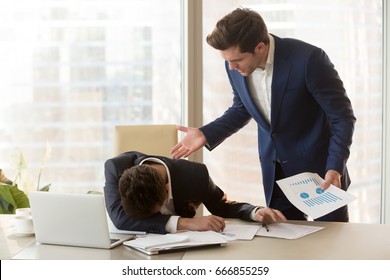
<point>72,70</point>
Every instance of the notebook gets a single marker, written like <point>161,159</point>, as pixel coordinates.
<point>72,219</point>
<point>152,244</point>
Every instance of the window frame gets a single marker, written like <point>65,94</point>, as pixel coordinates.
<point>385,203</point>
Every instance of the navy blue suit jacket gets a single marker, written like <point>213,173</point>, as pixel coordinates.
<point>312,120</point>
<point>189,183</point>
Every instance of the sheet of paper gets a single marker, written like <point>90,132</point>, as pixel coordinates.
<point>131,232</point>
<point>157,240</point>
<point>240,232</point>
<point>303,191</point>
<point>176,240</point>
<point>203,237</point>
<point>287,231</point>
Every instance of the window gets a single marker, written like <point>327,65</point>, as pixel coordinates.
<point>71,70</point>
<point>351,34</point>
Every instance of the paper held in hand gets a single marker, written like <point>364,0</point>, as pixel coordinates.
<point>304,192</point>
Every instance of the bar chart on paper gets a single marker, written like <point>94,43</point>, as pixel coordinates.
<point>321,197</point>
<point>303,190</point>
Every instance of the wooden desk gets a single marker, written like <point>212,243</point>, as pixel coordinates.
<point>338,241</point>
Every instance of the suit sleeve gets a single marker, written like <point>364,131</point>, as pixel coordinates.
<point>218,204</point>
<point>154,224</point>
<point>327,88</point>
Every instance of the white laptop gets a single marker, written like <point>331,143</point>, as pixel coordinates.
<point>72,219</point>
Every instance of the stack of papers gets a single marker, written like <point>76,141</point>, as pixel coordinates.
<point>152,244</point>
<point>156,240</point>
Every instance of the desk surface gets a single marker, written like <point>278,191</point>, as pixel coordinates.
<point>337,241</point>
<point>11,244</point>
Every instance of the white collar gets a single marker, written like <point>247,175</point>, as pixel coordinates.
<point>157,160</point>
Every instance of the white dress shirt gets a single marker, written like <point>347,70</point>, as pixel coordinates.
<point>260,81</point>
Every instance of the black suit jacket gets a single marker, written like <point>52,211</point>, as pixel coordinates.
<point>189,183</point>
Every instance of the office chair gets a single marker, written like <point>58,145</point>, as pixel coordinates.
<point>149,139</point>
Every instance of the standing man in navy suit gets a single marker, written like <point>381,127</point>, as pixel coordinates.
<point>291,89</point>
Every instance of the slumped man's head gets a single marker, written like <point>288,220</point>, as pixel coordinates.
<point>142,190</point>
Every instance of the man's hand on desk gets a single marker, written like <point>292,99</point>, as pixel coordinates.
<point>269,215</point>
<point>203,223</point>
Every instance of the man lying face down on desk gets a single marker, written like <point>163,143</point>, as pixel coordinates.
<point>159,195</point>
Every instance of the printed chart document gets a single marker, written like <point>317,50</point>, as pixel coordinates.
<point>303,190</point>
<point>287,231</point>
<point>153,244</point>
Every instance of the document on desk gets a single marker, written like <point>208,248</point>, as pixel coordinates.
<point>304,192</point>
<point>131,232</point>
<point>287,231</point>
<point>240,231</point>
<point>152,244</point>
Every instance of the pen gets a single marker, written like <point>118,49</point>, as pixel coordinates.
<point>264,225</point>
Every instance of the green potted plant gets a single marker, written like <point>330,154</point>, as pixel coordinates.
<point>13,195</point>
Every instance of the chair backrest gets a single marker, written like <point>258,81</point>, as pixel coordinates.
<point>149,139</point>
<point>156,139</point>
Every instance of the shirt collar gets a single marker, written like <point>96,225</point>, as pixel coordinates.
<point>157,160</point>
<point>271,51</point>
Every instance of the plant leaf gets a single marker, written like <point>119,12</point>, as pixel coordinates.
<point>45,188</point>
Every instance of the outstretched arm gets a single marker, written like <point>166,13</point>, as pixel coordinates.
<point>192,141</point>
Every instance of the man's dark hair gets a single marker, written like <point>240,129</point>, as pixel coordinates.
<point>243,28</point>
<point>141,189</point>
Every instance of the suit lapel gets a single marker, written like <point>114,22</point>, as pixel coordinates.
<point>246,98</point>
<point>281,74</point>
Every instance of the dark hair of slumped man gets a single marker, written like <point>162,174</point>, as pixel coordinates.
<point>142,190</point>
<point>241,28</point>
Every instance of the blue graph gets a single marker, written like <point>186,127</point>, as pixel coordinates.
<point>305,182</point>
<point>319,190</point>
<point>323,198</point>
<point>304,195</point>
